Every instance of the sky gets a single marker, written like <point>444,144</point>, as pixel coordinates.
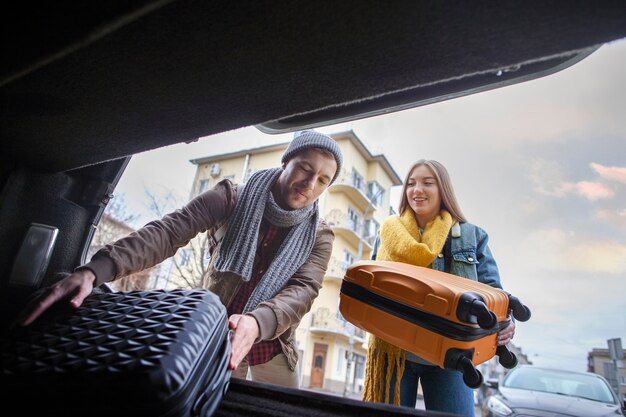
<point>541,166</point>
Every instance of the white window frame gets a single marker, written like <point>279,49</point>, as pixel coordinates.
<point>353,220</point>
<point>203,185</point>
<point>375,193</point>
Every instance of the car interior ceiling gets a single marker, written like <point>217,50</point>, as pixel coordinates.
<point>88,83</point>
<point>84,86</point>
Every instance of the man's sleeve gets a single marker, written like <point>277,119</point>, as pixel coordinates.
<point>160,239</point>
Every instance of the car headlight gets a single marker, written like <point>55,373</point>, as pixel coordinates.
<point>498,407</point>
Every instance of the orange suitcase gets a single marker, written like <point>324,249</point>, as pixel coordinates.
<point>445,319</point>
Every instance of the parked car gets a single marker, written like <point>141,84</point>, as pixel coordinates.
<point>84,87</point>
<point>536,391</point>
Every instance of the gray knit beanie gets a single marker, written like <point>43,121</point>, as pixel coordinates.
<point>312,139</point>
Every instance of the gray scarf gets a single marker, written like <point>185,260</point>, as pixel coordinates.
<point>239,245</point>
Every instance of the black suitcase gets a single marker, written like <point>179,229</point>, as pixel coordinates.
<point>141,353</point>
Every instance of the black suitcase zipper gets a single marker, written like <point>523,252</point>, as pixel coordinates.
<point>418,317</point>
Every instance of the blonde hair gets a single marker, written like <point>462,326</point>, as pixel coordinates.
<point>444,184</point>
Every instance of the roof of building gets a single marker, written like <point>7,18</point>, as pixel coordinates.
<point>348,134</point>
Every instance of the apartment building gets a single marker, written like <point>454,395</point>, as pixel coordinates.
<point>332,351</point>
<point>609,362</point>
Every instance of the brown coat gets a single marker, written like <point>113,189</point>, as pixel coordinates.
<point>160,239</point>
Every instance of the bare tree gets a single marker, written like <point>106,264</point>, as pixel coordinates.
<point>114,225</point>
<point>190,263</point>
<point>117,208</point>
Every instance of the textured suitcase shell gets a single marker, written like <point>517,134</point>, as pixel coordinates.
<point>157,353</point>
<point>422,290</point>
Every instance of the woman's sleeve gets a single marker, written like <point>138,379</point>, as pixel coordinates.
<point>487,269</point>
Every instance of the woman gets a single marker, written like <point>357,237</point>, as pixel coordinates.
<point>429,215</point>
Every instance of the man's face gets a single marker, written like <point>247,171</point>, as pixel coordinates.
<point>304,179</point>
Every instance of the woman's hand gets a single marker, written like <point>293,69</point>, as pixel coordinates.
<point>75,287</point>
<point>505,335</point>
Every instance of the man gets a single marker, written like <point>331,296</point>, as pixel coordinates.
<point>267,267</point>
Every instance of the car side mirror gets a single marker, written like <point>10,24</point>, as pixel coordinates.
<point>492,383</point>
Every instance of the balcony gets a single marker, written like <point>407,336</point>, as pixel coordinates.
<point>357,193</point>
<point>349,229</point>
<point>369,241</point>
<point>325,321</point>
<point>336,268</point>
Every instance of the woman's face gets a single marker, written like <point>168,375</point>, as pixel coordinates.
<point>423,196</point>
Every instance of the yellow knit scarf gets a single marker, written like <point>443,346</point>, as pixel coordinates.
<point>401,242</point>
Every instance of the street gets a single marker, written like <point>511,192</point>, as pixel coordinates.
<point>420,406</point>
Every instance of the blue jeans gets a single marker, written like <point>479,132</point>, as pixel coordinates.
<point>444,389</point>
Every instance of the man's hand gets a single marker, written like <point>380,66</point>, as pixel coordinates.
<point>246,331</point>
<point>75,287</point>
<point>505,335</point>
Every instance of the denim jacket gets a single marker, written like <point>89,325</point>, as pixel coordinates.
<point>471,256</point>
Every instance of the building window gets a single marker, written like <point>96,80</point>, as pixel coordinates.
<point>348,259</point>
<point>357,180</point>
<point>319,362</point>
<point>371,230</point>
<point>203,185</point>
<point>359,366</point>
<point>353,220</point>
<point>376,193</point>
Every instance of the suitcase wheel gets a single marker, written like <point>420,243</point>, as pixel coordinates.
<point>461,360</point>
<point>487,319</point>
<point>506,357</point>
<point>520,311</point>
<point>471,308</point>
<point>472,377</point>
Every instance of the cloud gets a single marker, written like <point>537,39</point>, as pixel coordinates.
<point>556,250</point>
<point>548,179</point>
<point>610,173</point>
<point>591,190</point>
<point>617,218</point>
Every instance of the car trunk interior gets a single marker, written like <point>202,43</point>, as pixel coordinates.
<point>85,86</point>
